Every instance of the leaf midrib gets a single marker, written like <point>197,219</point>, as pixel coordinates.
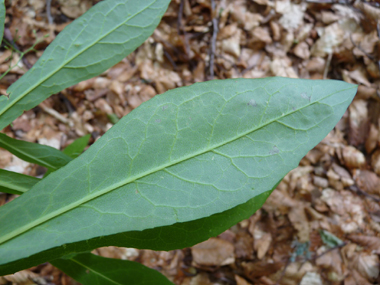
<point>94,271</point>
<point>95,195</point>
<point>38,83</point>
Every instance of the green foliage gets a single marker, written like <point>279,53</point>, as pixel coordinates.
<point>2,18</point>
<point>77,147</point>
<point>15,183</point>
<point>91,269</point>
<point>100,38</point>
<point>181,168</point>
<point>182,156</point>
<point>43,155</point>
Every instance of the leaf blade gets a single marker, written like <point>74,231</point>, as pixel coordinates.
<point>43,155</point>
<point>2,19</point>
<point>77,147</point>
<point>254,130</point>
<point>88,268</point>
<point>16,183</point>
<point>104,27</point>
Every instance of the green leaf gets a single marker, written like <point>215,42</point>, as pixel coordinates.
<point>97,40</point>
<point>181,156</point>
<point>179,235</point>
<point>2,19</point>
<point>43,155</point>
<point>91,269</point>
<point>77,147</point>
<point>15,183</point>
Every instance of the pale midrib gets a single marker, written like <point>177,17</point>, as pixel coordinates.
<point>38,83</point>
<point>40,162</point>
<point>95,272</point>
<point>88,198</point>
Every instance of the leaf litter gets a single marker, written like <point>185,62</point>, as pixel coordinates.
<point>322,223</point>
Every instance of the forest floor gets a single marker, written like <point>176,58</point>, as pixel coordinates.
<point>322,223</point>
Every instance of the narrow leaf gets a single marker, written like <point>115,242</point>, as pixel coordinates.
<point>90,269</point>
<point>182,156</point>
<point>2,19</point>
<point>97,40</point>
<point>77,147</point>
<point>43,155</point>
<point>15,183</point>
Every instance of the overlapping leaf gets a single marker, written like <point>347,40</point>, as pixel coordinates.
<point>16,183</point>
<point>100,38</point>
<point>91,269</point>
<point>182,156</point>
<point>43,155</point>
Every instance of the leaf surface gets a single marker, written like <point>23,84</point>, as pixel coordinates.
<point>91,269</point>
<point>97,40</point>
<point>182,156</point>
<point>43,155</point>
<point>2,19</point>
<point>16,183</point>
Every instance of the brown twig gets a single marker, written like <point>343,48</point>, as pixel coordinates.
<point>181,29</point>
<point>48,12</point>
<point>360,48</point>
<point>327,66</point>
<point>213,40</point>
<point>378,35</point>
<point>357,189</point>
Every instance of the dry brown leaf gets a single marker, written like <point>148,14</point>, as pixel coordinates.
<point>358,122</point>
<point>302,50</point>
<point>371,243</point>
<point>311,278</point>
<point>282,67</point>
<point>372,141</point>
<point>213,252</point>
<point>297,217</point>
<point>368,181</point>
<point>241,281</point>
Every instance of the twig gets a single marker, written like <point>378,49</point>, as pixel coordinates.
<point>378,35</point>
<point>181,29</point>
<point>48,12</point>
<point>54,113</point>
<point>360,191</point>
<point>360,48</point>
<point>326,71</point>
<point>329,250</point>
<point>213,40</point>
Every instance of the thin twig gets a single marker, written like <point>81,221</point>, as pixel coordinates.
<point>181,28</point>
<point>378,35</point>
<point>326,71</point>
<point>213,39</point>
<point>360,48</point>
<point>48,12</point>
<point>54,113</point>
<point>362,192</point>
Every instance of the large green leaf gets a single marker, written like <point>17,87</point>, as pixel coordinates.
<point>91,269</point>
<point>100,38</point>
<point>16,183</point>
<point>2,19</point>
<point>184,155</point>
<point>43,155</point>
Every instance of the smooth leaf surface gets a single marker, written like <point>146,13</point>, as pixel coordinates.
<point>179,235</point>
<point>16,183</point>
<point>2,19</point>
<point>77,147</point>
<point>43,155</point>
<point>90,269</point>
<point>97,40</point>
<point>183,155</point>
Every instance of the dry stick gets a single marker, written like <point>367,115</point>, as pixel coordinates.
<point>48,12</point>
<point>325,72</point>
<point>181,29</point>
<point>357,189</point>
<point>360,48</point>
<point>378,35</point>
<point>213,40</point>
